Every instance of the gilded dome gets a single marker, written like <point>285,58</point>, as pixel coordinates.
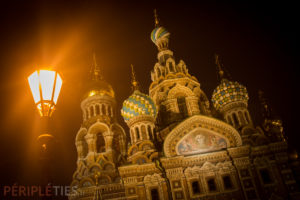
<point>138,104</point>
<point>101,88</point>
<point>228,92</point>
<point>158,33</point>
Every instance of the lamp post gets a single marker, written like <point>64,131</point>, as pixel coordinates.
<point>45,86</point>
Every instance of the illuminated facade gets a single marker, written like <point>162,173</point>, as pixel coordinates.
<point>180,145</point>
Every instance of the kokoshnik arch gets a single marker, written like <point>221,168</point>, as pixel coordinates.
<point>182,145</point>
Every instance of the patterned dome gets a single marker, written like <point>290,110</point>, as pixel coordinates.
<point>158,33</point>
<point>138,104</point>
<point>228,92</point>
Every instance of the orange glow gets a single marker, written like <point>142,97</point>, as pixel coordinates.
<point>45,87</point>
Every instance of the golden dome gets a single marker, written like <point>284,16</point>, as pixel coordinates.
<point>100,88</point>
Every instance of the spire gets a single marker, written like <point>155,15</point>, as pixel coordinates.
<point>156,19</point>
<point>266,109</point>
<point>220,70</point>
<point>135,84</point>
<point>97,195</point>
<point>96,75</point>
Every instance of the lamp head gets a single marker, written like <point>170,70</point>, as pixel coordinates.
<point>45,87</point>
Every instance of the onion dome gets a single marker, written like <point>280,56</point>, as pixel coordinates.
<point>97,85</point>
<point>228,92</point>
<point>101,88</point>
<point>138,104</point>
<point>159,33</point>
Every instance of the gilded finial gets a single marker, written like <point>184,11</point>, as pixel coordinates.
<point>156,18</point>
<point>217,61</point>
<point>96,176</point>
<point>135,84</point>
<point>96,75</point>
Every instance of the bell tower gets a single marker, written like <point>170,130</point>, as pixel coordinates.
<point>100,141</point>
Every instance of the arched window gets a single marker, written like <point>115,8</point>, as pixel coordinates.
<point>171,67</point>
<point>154,194</point>
<point>241,116</point>
<point>195,187</point>
<point>86,113</point>
<point>150,132</point>
<point>144,134</point>
<point>182,106</point>
<point>137,132</point>
<point>92,111</point>
<point>109,111</point>
<point>229,120</point>
<point>103,109</point>
<point>100,143</point>
<point>97,110</point>
<point>235,119</point>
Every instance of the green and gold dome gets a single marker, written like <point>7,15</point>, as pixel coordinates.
<point>138,104</point>
<point>228,92</point>
<point>159,33</point>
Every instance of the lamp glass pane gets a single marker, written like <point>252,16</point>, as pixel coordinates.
<point>57,88</point>
<point>33,81</point>
<point>47,83</point>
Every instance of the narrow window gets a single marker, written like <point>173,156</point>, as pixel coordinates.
<point>150,133</point>
<point>109,111</point>
<point>229,120</point>
<point>103,110</point>
<point>86,114</point>
<point>137,132</point>
<point>92,111</point>
<point>265,176</point>
<point>195,187</point>
<point>182,106</point>
<point>242,118</point>
<point>211,185</point>
<point>100,143</point>
<point>144,134</point>
<point>227,182</point>
<point>97,110</point>
<point>171,67</point>
<point>235,119</point>
<point>154,194</point>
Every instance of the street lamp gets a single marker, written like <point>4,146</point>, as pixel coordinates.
<point>45,87</point>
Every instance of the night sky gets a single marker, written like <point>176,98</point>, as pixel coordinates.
<point>257,43</point>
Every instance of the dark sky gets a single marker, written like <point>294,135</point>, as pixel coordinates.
<point>257,42</point>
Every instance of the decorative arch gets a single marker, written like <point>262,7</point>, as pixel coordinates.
<point>86,182</point>
<point>132,150</point>
<point>94,168</point>
<point>98,127</point>
<point>146,144</point>
<point>179,90</point>
<point>210,125</point>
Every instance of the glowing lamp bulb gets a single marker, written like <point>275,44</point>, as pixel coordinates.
<point>45,87</point>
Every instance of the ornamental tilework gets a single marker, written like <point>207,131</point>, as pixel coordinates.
<point>138,104</point>
<point>158,33</point>
<point>228,92</point>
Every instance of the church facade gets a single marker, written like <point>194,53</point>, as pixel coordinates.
<point>181,144</point>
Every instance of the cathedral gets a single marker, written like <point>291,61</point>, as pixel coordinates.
<point>180,143</point>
